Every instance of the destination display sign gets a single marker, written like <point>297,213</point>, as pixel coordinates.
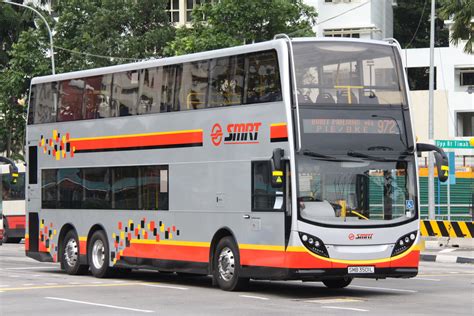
<point>350,126</point>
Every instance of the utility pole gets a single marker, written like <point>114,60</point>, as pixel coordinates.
<point>431,198</point>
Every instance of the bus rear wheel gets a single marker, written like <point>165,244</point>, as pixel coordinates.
<point>227,269</point>
<point>337,283</point>
<point>70,255</point>
<point>98,254</point>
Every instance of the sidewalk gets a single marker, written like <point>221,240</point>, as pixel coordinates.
<point>448,250</point>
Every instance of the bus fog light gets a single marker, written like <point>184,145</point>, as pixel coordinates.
<point>412,236</point>
<point>407,240</point>
<point>304,237</point>
<point>311,241</point>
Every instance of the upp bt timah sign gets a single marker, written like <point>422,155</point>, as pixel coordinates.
<point>459,144</point>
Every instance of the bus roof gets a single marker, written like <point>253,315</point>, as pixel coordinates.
<point>191,57</point>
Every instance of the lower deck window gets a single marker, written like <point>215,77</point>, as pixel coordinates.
<point>120,188</point>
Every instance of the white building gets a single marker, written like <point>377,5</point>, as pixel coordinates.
<point>367,19</point>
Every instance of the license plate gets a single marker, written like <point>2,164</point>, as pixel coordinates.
<point>358,270</point>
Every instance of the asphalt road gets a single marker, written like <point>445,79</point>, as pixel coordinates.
<point>28,287</point>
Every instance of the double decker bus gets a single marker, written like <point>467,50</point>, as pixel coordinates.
<point>287,159</point>
<point>13,202</point>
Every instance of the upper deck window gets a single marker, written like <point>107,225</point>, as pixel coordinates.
<point>224,81</point>
<point>347,73</point>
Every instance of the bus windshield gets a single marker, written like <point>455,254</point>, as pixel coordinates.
<point>356,165</point>
<point>347,73</point>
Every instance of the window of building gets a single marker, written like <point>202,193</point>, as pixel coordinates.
<point>467,77</point>
<point>264,196</point>
<point>173,11</point>
<point>190,5</point>
<point>418,78</point>
<point>465,124</point>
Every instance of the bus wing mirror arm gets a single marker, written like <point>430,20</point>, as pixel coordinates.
<point>442,161</point>
<point>276,168</point>
<point>13,168</point>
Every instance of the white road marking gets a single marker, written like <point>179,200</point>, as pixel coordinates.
<point>255,297</point>
<point>74,283</point>
<point>97,282</point>
<point>167,286</point>
<point>453,272</point>
<point>28,284</point>
<point>382,288</point>
<point>333,300</point>
<point>446,259</point>
<point>13,276</point>
<point>97,304</point>
<point>4,285</point>
<point>51,284</point>
<point>30,268</point>
<point>447,250</point>
<point>426,279</point>
<point>346,308</point>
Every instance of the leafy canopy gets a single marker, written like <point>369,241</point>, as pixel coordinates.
<point>235,22</point>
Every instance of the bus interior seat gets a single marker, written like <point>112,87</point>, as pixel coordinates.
<point>343,98</point>
<point>325,98</point>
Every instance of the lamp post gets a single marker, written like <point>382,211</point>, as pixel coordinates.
<point>47,26</point>
<point>431,197</point>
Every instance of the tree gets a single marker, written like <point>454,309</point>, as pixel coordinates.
<point>89,30</point>
<point>86,34</point>
<point>235,22</point>
<point>411,25</point>
<point>461,12</point>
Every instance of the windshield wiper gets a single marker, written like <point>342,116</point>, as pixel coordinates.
<point>319,156</point>
<point>362,155</point>
<point>316,155</point>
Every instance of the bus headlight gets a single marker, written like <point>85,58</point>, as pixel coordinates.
<point>314,244</point>
<point>404,243</point>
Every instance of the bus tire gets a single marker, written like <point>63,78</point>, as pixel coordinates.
<point>338,283</point>
<point>70,255</point>
<point>227,269</point>
<point>98,254</point>
<point>6,239</point>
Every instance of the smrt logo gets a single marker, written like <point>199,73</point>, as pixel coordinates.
<point>237,133</point>
<point>360,236</point>
<point>216,134</point>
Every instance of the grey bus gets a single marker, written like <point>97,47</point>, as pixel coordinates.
<point>292,159</point>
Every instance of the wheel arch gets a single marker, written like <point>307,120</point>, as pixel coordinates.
<point>218,235</point>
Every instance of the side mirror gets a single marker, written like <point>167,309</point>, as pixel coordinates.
<point>442,161</point>
<point>277,168</point>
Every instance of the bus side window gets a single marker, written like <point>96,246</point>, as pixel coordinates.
<point>194,83</point>
<point>264,196</point>
<point>168,89</point>
<point>46,96</point>
<point>106,108</point>
<point>32,105</point>
<point>70,100</point>
<point>263,77</point>
<point>150,90</point>
<point>126,92</point>
<point>92,97</point>
<point>226,81</point>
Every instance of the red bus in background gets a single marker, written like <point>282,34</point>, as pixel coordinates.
<point>13,204</point>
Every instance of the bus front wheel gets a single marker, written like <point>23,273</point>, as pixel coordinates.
<point>338,283</point>
<point>70,255</point>
<point>227,269</point>
<point>98,254</point>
